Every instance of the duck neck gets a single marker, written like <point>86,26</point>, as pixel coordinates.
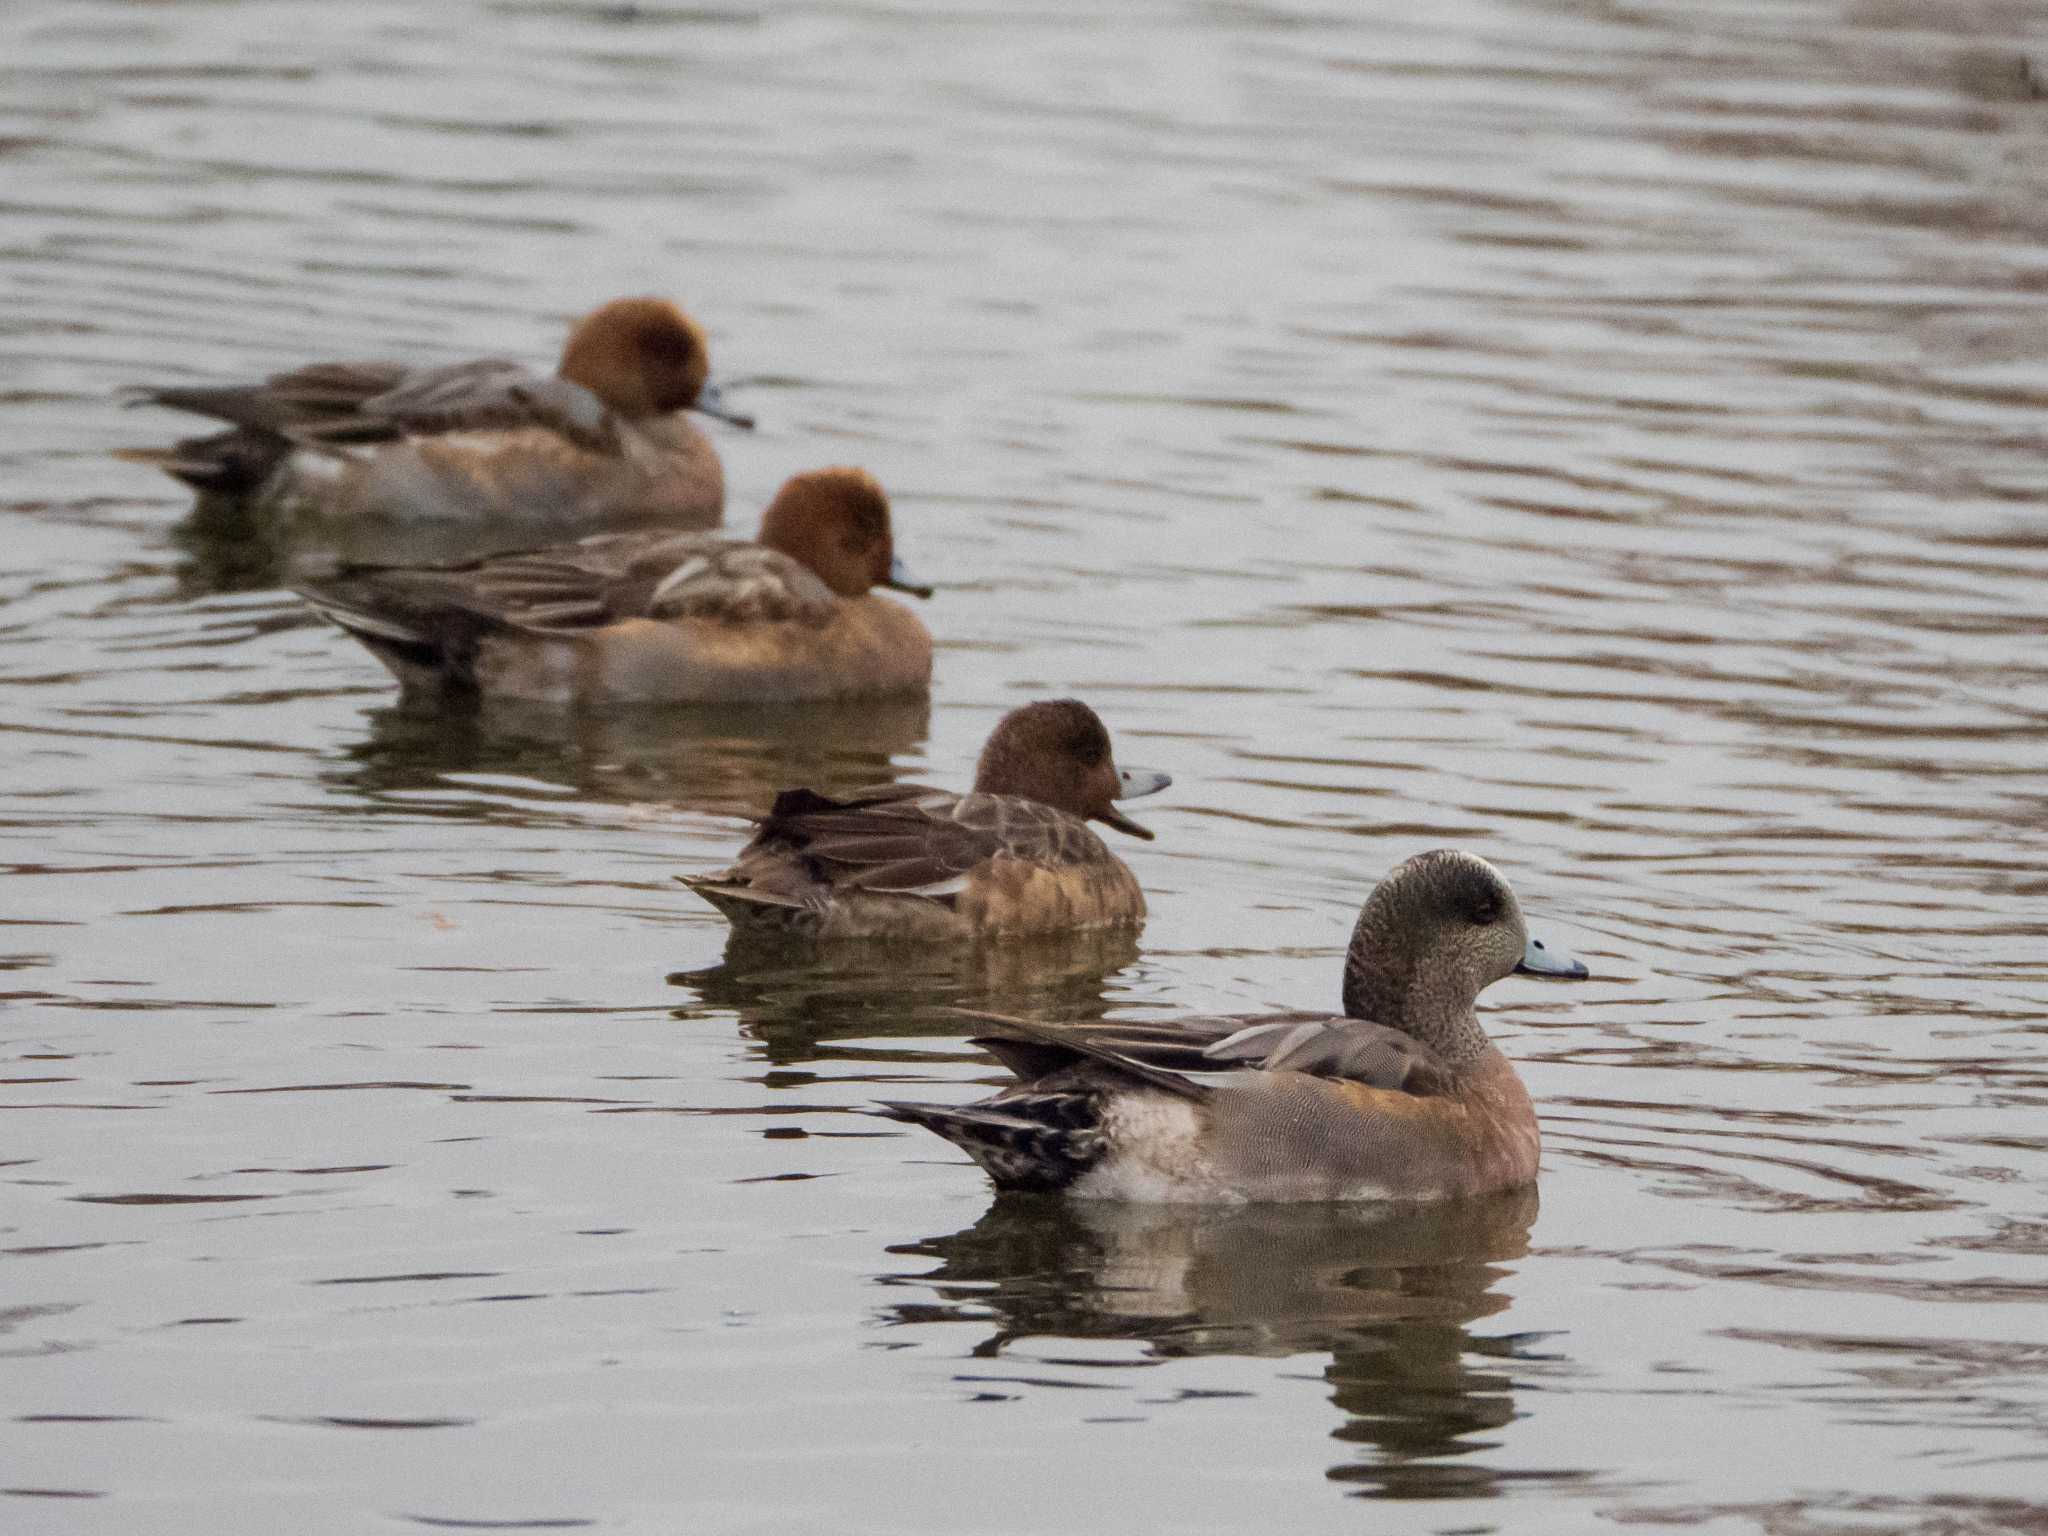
<point>1433,1003</point>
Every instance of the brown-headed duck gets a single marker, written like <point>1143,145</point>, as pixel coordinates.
<point>1402,1098</point>
<point>1012,856</point>
<point>489,453</point>
<point>691,618</point>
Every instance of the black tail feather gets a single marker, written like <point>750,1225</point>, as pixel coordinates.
<point>236,462</point>
<point>434,652</point>
<point>1038,1143</point>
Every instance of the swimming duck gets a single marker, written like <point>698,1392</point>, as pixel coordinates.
<point>1401,1098</point>
<point>1012,856</point>
<point>489,451</point>
<point>660,617</point>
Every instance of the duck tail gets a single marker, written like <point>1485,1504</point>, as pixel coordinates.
<point>752,909</point>
<point>238,462</point>
<point>434,657</point>
<point>1038,1143</point>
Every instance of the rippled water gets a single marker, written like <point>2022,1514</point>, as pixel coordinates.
<point>1605,436</point>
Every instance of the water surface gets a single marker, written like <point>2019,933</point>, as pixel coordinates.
<point>1607,437</point>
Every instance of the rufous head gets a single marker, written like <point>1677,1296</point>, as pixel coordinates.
<point>836,521</point>
<point>1057,752</point>
<point>642,358</point>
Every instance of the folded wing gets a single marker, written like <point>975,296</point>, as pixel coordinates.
<point>1176,1055</point>
<point>348,404</point>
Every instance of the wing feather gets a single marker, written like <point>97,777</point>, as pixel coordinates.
<point>346,404</point>
<point>599,581</point>
<point>901,839</point>
<point>1355,1050</point>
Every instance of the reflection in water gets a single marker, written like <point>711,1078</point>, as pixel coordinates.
<point>727,760</point>
<point>1608,436</point>
<point>1388,1293</point>
<point>225,550</point>
<point>793,997</point>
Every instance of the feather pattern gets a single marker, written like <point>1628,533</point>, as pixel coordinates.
<point>583,587</point>
<point>905,839</point>
<point>351,404</point>
<point>1321,1045</point>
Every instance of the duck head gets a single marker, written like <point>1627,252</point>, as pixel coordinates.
<point>643,358</point>
<point>836,521</point>
<point>1441,928</point>
<point>1057,752</point>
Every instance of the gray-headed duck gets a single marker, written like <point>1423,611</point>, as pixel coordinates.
<point>1012,856</point>
<point>650,617</point>
<point>1402,1098</point>
<point>490,452</point>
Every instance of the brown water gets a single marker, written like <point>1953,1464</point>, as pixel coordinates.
<point>1605,436</point>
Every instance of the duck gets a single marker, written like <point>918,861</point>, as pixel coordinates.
<point>651,617</point>
<point>1013,856</point>
<point>1402,1098</point>
<point>488,453</point>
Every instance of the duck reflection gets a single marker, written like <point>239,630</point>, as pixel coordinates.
<point>730,760</point>
<point>232,545</point>
<point>1389,1293</point>
<point>224,550</point>
<point>796,999</point>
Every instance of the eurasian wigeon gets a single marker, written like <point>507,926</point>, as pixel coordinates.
<point>488,455</point>
<point>1012,856</point>
<point>1402,1098</point>
<point>653,617</point>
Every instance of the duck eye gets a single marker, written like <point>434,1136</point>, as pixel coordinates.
<point>669,346</point>
<point>1085,749</point>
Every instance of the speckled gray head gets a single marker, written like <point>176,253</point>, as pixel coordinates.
<point>1441,928</point>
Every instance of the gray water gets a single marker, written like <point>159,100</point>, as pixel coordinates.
<point>1608,437</point>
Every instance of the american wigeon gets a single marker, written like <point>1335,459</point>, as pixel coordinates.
<point>1403,1098</point>
<point>491,451</point>
<point>654,617</point>
<point>1012,856</point>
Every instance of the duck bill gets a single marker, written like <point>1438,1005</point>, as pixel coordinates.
<point>1130,784</point>
<point>1110,816</point>
<point>1134,783</point>
<point>1541,959</point>
<point>710,401</point>
<point>900,579</point>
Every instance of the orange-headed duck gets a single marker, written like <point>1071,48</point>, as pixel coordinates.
<point>488,455</point>
<point>1013,856</point>
<point>1402,1098</point>
<point>692,618</point>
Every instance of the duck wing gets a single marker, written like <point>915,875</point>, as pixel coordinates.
<point>601,580</point>
<point>562,588</point>
<point>493,395</point>
<point>346,404</point>
<point>902,838</point>
<point>1320,1045</point>
<point>730,581</point>
<point>586,585</point>
<point>1355,1050</point>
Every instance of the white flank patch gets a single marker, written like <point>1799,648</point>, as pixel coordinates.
<point>1155,1155</point>
<point>314,471</point>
